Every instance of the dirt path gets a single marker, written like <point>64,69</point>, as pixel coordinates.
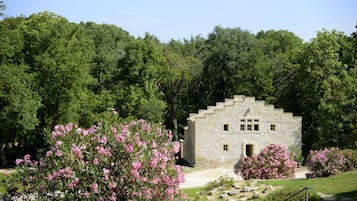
<point>199,178</point>
<point>5,171</point>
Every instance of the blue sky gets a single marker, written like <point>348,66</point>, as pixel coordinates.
<point>185,18</point>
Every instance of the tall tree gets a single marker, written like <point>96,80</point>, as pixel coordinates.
<point>109,45</point>
<point>234,65</point>
<point>179,73</point>
<point>138,77</point>
<point>283,50</point>
<point>18,106</point>
<point>18,102</point>
<point>328,95</point>
<point>59,54</point>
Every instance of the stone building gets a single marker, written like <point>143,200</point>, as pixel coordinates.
<point>242,126</point>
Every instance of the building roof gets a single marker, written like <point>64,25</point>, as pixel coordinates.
<point>230,102</point>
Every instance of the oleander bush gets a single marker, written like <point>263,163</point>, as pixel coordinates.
<point>329,161</point>
<point>351,158</point>
<point>109,161</point>
<point>273,162</point>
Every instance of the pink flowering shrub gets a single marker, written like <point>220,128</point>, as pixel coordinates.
<point>326,162</point>
<point>109,161</point>
<point>272,162</point>
<point>351,158</point>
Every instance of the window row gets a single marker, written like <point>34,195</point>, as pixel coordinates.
<point>249,127</point>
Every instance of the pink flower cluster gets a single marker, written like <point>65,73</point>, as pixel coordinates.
<point>103,151</point>
<point>26,161</point>
<point>77,150</point>
<point>109,161</point>
<point>272,162</point>
<point>65,172</point>
<point>326,162</point>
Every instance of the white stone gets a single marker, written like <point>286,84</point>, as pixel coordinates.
<point>236,186</point>
<point>247,188</point>
<point>223,195</point>
<point>255,195</point>
<point>233,192</point>
<point>214,137</point>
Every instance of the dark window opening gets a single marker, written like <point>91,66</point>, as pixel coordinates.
<point>256,127</point>
<point>249,150</point>
<point>225,127</point>
<point>242,127</point>
<point>272,127</point>
<point>249,127</point>
<point>225,147</point>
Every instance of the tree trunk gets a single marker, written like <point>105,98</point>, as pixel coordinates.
<point>173,115</point>
<point>3,159</point>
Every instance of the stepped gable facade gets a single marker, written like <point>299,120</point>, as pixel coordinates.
<point>238,127</point>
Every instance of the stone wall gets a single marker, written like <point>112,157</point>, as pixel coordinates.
<point>214,137</point>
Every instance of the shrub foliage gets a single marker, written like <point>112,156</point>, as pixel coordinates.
<point>274,161</point>
<point>330,161</point>
<point>108,161</point>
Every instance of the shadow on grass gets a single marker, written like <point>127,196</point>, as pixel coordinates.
<point>352,194</point>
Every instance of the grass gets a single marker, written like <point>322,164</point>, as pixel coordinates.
<point>341,185</point>
<point>191,192</point>
<point>2,187</point>
<point>6,179</point>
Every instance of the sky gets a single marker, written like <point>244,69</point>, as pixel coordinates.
<point>183,19</point>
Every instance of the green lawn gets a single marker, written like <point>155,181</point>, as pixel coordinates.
<point>343,184</point>
<point>2,188</point>
<point>191,192</point>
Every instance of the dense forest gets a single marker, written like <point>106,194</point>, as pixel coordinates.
<point>53,72</point>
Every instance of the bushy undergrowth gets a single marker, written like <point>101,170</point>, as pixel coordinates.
<point>109,161</point>
<point>226,182</point>
<point>351,158</point>
<point>272,162</point>
<point>330,161</point>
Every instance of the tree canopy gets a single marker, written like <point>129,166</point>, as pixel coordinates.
<point>54,71</point>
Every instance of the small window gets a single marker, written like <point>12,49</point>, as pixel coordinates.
<point>225,127</point>
<point>225,147</point>
<point>242,120</point>
<point>256,120</point>
<point>249,120</point>
<point>249,127</point>
<point>272,127</point>
<point>256,127</point>
<point>242,127</point>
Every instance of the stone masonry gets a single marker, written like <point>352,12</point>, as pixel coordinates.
<point>238,127</point>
